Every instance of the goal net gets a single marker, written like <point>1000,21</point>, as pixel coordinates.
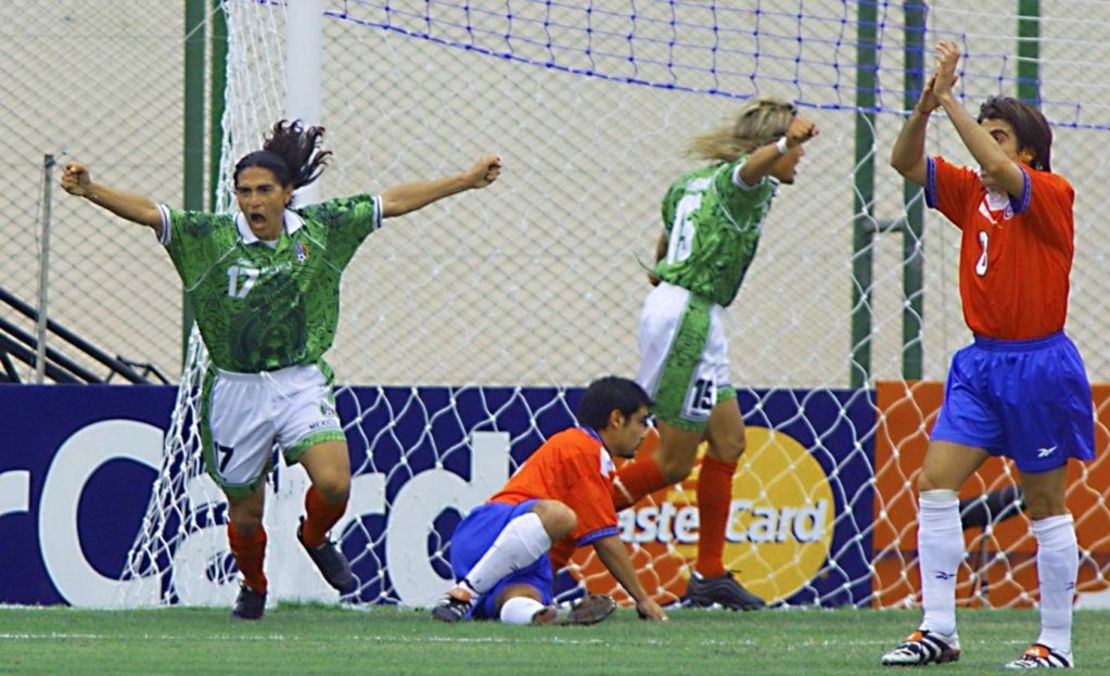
<point>468,328</point>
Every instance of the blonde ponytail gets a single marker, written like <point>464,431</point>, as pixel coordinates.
<point>761,121</point>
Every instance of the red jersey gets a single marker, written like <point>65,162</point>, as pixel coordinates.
<point>574,468</point>
<point>1015,254</point>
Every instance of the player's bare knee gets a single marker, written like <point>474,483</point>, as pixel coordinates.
<point>678,448</point>
<point>558,520</point>
<point>729,449</point>
<point>245,520</point>
<point>334,489</point>
<point>245,513</point>
<point>337,495</point>
<point>678,472</point>
<point>675,467</point>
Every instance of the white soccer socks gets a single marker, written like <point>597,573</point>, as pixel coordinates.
<point>940,548</point>
<point>1057,568</point>
<point>520,610</point>
<point>519,545</point>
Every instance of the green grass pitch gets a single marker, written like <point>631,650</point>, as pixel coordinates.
<point>384,640</point>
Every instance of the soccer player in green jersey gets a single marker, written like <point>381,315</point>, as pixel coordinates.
<point>264,288</point>
<point>712,219</point>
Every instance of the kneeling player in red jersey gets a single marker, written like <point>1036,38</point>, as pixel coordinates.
<point>499,552</point>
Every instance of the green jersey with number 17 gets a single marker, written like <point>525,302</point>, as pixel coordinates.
<point>263,306</point>
<point>713,223</point>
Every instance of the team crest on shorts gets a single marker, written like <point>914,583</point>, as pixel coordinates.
<point>326,409</point>
<point>302,252</point>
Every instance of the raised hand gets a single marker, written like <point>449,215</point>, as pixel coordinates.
<point>800,130</point>
<point>928,101</point>
<point>948,55</point>
<point>76,179</point>
<point>485,171</point>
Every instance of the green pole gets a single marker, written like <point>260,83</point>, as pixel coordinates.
<point>913,234</point>
<point>863,227</point>
<point>194,148</point>
<point>218,100</point>
<point>1028,51</point>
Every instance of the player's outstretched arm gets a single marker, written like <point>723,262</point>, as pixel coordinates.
<point>908,155</point>
<point>762,159</point>
<point>612,553</point>
<point>131,206</point>
<point>999,171</point>
<point>401,199</point>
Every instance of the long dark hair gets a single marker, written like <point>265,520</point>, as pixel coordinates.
<point>1030,127</point>
<point>291,152</point>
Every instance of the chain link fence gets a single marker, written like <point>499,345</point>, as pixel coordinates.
<point>97,82</point>
<point>538,279</point>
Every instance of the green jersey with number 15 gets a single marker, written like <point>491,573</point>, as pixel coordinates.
<point>713,223</point>
<point>262,307</point>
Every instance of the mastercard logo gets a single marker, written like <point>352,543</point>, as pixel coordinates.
<point>778,535</point>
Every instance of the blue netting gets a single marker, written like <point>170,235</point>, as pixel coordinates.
<point>735,49</point>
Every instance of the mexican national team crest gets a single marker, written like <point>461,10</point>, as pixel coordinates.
<point>302,252</point>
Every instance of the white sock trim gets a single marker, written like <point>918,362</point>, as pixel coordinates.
<point>520,610</point>
<point>1053,530</point>
<point>940,495</point>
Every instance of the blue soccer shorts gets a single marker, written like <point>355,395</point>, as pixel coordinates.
<point>474,536</point>
<point>1028,400</point>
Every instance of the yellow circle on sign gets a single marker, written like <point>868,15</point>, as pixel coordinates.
<point>781,519</point>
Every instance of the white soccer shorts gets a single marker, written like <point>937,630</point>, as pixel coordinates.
<point>245,415</point>
<point>684,356</point>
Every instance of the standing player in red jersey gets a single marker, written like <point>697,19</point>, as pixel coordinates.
<point>499,552</point>
<point>1020,389</point>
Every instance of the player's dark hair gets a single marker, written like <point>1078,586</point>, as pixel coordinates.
<point>1030,127</point>
<point>608,394</point>
<point>291,152</point>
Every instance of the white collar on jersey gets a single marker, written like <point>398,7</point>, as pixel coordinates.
<point>293,223</point>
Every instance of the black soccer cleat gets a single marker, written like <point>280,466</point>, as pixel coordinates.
<point>331,563</point>
<point>723,591</point>
<point>454,606</point>
<point>249,605</point>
